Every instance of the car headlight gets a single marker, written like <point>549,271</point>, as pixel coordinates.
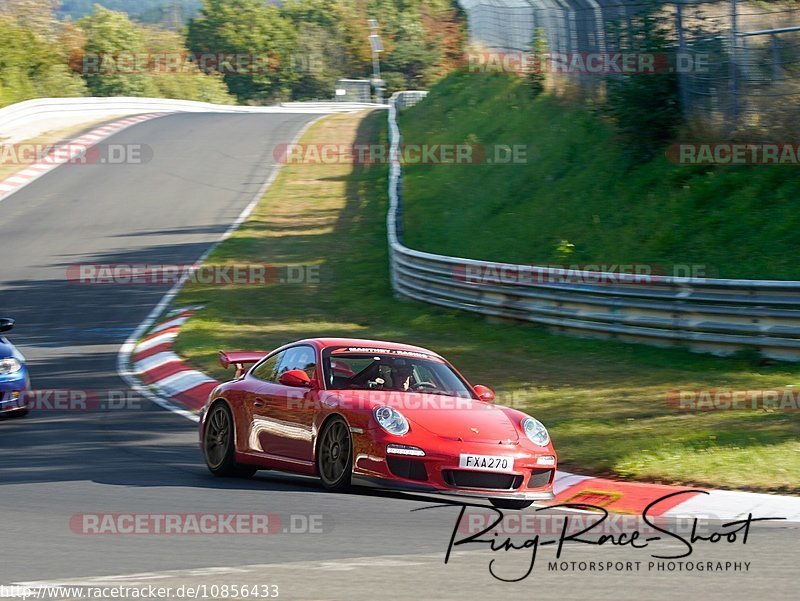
<point>535,431</point>
<point>9,366</point>
<point>391,420</point>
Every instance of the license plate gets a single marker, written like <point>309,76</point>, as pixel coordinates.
<point>489,463</point>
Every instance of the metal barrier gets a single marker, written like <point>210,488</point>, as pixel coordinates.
<point>704,314</point>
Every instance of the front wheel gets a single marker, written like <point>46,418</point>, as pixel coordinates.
<point>218,444</point>
<point>335,455</point>
<point>510,503</point>
<point>17,413</point>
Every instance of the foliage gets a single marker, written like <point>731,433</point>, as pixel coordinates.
<point>109,34</point>
<point>645,107</point>
<point>37,16</point>
<point>146,11</point>
<point>575,184</point>
<point>190,83</point>
<point>102,41</point>
<point>30,66</point>
<point>536,76</point>
<point>248,27</point>
<point>297,48</point>
<point>422,41</point>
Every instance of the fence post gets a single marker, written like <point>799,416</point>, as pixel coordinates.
<point>734,68</point>
<point>776,58</point>
<point>682,84</point>
<point>601,28</point>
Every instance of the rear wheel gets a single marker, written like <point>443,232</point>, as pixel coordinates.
<point>218,446</point>
<point>335,455</point>
<point>511,503</point>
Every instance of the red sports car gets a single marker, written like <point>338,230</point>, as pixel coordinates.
<point>373,413</point>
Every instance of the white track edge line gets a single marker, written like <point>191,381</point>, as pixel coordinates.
<point>126,350</point>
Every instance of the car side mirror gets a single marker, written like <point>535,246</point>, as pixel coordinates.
<point>484,393</point>
<point>6,323</point>
<point>296,378</point>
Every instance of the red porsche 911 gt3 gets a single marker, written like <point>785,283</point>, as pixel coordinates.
<point>373,413</point>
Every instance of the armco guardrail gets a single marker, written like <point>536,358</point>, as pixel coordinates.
<point>33,117</point>
<point>703,314</point>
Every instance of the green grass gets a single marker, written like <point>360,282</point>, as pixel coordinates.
<point>579,186</point>
<point>604,402</point>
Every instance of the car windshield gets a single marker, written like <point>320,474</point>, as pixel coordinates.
<point>348,368</point>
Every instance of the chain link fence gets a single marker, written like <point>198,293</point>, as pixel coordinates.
<point>738,63</point>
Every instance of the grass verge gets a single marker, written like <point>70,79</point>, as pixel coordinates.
<point>577,186</point>
<point>604,402</point>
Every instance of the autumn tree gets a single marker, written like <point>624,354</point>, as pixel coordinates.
<point>31,65</point>
<point>111,42</point>
<point>253,29</point>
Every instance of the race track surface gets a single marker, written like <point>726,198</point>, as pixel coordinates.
<point>205,169</point>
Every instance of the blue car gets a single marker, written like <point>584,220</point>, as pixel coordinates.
<point>14,379</point>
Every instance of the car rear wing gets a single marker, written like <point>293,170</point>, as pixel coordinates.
<point>240,360</point>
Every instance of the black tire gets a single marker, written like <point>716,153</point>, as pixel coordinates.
<point>335,455</point>
<point>218,448</point>
<point>511,503</point>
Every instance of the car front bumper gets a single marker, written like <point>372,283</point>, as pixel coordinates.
<point>439,471</point>
<point>421,487</point>
<point>12,391</point>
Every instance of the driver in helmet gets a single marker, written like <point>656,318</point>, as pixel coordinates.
<point>402,375</point>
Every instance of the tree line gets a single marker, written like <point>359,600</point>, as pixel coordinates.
<point>231,51</point>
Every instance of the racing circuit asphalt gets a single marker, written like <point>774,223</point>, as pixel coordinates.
<point>205,169</point>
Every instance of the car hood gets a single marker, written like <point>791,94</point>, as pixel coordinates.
<point>453,418</point>
<point>481,423</point>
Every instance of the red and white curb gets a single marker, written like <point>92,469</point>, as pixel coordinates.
<point>68,151</point>
<point>634,497</point>
<point>167,374</point>
<point>158,367</point>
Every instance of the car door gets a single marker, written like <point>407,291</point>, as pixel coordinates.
<point>288,411</point>
<point>259,380</point>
